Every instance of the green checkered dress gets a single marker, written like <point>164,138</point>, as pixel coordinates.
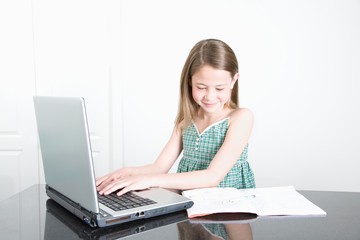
<point>200,149</point>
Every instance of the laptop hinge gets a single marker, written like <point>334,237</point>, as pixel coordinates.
<point>88,217</point>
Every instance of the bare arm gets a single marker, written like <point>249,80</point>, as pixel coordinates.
<point>162,164</point>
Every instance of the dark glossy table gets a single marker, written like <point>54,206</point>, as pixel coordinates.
<point>31,215</point>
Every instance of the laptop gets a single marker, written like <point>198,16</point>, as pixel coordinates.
<point>69,170</point>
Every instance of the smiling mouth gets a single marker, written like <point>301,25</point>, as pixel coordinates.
<point>209,104</point>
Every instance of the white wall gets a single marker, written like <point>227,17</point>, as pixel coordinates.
<point>299,67</point>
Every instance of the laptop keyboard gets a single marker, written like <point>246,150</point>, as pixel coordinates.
<point>126,201</point>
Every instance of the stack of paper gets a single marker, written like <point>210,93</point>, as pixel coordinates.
<point>274,201</point>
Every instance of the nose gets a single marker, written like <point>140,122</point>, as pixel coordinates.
<point>210,94</point>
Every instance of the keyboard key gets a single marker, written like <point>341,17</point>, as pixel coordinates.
<point>126,201</point>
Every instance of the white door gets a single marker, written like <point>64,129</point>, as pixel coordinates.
<point>18,143</point>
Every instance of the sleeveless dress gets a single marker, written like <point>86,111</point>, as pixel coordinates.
<point>200,149</point>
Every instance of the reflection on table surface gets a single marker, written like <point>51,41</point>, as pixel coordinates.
<point>31,215</point>
<point>61,224</point>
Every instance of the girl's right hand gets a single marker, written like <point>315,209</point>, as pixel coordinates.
<point>104,181</point>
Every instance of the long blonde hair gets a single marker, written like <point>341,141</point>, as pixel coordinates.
<point>211,52</point>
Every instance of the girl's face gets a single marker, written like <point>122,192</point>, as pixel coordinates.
<point>211,88</point>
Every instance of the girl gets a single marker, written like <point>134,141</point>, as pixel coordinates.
<point>210,129</point>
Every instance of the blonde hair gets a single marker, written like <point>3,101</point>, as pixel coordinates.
<point>211,52</point>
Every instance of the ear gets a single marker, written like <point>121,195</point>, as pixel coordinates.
<point>233,81</point>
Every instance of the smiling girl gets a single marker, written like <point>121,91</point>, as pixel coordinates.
<point>211,131</point>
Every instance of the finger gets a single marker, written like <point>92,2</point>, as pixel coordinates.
<point>113,187</point>
<point>103,179</point>
<point>123,191</point>
<point>106,182</point>
<point>100,180</point>
<point>104,188</point>
<point>102,185</point>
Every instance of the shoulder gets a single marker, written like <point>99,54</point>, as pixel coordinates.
<point>241,116</point>
<point>240,113</point>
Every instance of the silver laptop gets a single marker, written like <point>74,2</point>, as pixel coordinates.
<point>69,170</point>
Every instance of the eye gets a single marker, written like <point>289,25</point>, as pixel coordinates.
<point>219,89</point>
<point>200,88</point>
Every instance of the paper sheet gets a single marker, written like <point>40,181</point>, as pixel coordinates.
<point>274,201</point>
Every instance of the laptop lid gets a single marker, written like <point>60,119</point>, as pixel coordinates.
<point>68,166</point>
<point>65,148</point>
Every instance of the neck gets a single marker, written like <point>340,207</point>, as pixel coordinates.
<point>213,117</point>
